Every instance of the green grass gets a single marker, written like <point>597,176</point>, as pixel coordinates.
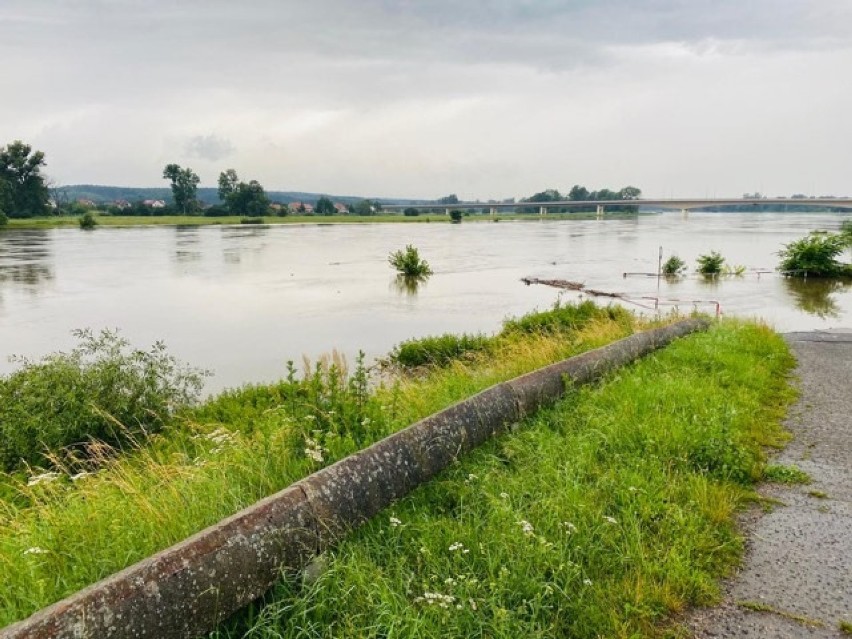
<point>60,530</point>
<point>600,517</point>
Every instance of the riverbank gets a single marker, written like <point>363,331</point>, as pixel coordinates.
<point>200,220</point>
<point>606,515</point>
<point>67,526</point>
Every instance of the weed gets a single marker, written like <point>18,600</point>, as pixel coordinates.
<point>815,255</point>
<point>845,627</point>
<point>408,262</point>
<point>756,606</point>
<point>781,474</point>
<point>674,266</point>
<point>438,350</point>
<point>818,494</point>
<point>102,389</point>
<point>710,263</point>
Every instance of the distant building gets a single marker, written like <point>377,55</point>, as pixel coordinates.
<point>154,204</point>
<point>85,202</point>
<point>341,209</point>
<point>302,207</point>
<point>121,204</point>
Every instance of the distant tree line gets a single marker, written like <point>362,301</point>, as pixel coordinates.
<point>580,193</point>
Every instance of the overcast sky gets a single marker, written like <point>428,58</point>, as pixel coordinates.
<point>483,98</point>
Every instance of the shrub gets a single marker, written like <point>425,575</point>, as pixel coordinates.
<point>455,216</point>
<point>251,220</point>
<point>563,317</point>
<point>814,255</point>
<point>437,350</point>
<point>101,389</point>
<point>710,263</point>
<point>88,221</point>
<point>674,266</point>
<point>409,263</point>
<point>411,212</point>
<point>4,219</point>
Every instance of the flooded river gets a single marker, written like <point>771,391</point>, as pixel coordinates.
<point>241,301</point>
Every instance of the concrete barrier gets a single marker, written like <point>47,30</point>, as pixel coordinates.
<point>185,590</point>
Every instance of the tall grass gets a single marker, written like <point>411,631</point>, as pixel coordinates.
<point>601,517</point>
<point>62,529</point>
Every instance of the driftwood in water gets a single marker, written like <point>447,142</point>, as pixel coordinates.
<point>566,284</point>
<point>571,286</point>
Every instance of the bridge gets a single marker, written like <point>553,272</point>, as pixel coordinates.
<point>682,204</point>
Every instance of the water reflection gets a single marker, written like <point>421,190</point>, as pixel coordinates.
<point>816,295</point>
<point>408,284</point>
<point>26,258</point>
<point>240,241</point>
<point>187,244</point>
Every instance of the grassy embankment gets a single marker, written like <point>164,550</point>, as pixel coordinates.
<point>604,516</point>
<point>78,522</point>
<point>73,221</point>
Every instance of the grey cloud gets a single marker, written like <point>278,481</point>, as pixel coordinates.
<point>209,147</point>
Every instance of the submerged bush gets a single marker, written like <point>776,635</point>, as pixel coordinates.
<point>674,266</point>
<point>456,216</point>
<point>251,220</point>
<point>711,263</point>
<point>88,221</point>
<point>408,262</point>
<point>437,350</point>
<point>815,255</point>
<point>102,389</point>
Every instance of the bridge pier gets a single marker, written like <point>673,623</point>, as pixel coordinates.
<point>684,214</point>
<point>542,210</point>
<point>600,211</point>
<point>447,211</point>
<point>493,211</point>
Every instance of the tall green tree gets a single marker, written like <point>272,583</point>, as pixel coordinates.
<point>325,206</point>
<point>184,187</point>
<point>23,191</point>
<point>242,198</point>
<point>228,181</point>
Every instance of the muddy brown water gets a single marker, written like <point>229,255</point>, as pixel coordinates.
<point>241,301</point>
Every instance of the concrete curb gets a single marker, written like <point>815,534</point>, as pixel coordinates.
<point>185,590</point>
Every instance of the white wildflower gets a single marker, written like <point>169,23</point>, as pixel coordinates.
<point>313,450</point>
<point>436,599</point>
<point>504,495</point>
<point>365,421</point>
<point>44,478</point>
<point>610,520</point>
<point>587,582</point>
<point>569,527</point>
<point>394,522</point>
<point>472,604</point>
<point>526,526</point>
<point>458,546</point>
<point>35,550</point>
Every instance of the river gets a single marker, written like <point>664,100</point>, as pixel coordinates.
<point>242,300</point>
